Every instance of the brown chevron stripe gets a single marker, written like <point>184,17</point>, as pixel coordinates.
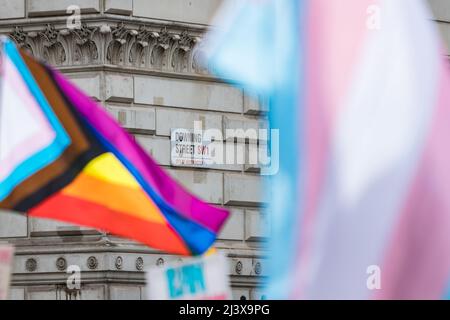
<point>79,146</point>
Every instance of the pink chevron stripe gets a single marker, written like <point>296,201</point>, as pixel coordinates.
<point>417,263</point>
<point>177,197</point>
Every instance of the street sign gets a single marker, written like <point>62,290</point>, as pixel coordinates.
<point>6,259</point>
<point>204,278</point>
<point>190,149</point>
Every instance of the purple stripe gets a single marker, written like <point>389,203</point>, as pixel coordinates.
<point>176,196</point>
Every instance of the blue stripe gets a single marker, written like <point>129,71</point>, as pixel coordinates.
<point>262,49</point>
<point>286,114</point>
<point>46,155</point>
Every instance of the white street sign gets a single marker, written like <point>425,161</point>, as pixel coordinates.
<point>190,149</point>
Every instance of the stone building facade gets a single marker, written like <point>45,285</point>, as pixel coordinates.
<point>141,60</point>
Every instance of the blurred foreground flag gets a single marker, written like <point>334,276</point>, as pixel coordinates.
<point>360,92</point>
<point>6,262</point>
<point>63,157</point>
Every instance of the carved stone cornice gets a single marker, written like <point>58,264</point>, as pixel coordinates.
<point>118,44</point>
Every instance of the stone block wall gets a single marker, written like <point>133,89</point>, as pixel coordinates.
<point>141,61</point>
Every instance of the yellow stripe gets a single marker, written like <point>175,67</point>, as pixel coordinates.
<point>107,167</point>
<point>106,181</point>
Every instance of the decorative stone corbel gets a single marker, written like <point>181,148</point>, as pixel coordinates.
<point>120,45</point>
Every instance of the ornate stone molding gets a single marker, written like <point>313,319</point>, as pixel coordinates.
<point>119,45</point>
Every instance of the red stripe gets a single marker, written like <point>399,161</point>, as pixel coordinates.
<point>74,210</point>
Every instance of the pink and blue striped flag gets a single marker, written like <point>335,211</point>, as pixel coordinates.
<point>360,93</point>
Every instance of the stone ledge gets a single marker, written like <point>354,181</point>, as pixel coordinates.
<point>187,94</point>
<point>118,266</point>
<point>245,190</point>
<point>122,7</point>
<point>116,291</point>
<point>94,43</point>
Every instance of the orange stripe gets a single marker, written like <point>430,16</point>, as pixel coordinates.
<point>134,202</point>
<point>73,210</point>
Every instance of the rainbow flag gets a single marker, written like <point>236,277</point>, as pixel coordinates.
<point>360,208</point>
<point>63,157</point>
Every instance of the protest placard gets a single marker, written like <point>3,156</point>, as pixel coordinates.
<point>6,259</point>
<point>204,278</point>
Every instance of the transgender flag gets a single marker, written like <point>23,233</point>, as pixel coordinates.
<point>361,207</point>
